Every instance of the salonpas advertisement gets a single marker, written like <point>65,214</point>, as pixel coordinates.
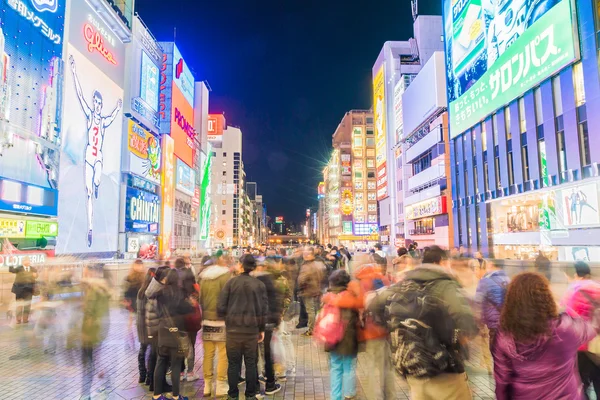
<point>496,51</point>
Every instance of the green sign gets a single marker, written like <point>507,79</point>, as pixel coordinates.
<point>347,227</point>
<point>540,51</point>
<point>38,229</point>
<point>205,202</point>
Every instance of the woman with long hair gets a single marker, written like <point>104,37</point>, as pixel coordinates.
<point>133,284</point>
<point>172,307</point>
<point>535,353</point>
<point>142,328</point>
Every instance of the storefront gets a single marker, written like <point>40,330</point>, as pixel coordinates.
<point>428,222</point>
<point>37,236</point>
<point>142,218</point>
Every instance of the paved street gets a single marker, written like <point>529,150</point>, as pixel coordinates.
<point>44,376</point>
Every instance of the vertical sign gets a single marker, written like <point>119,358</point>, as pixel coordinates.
<point>168,181</point>
<point>380,132</point>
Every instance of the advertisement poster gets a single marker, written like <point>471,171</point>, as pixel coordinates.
<point>149,82</point>
<point>90,159</point>
<point>145,152</point>
<point>142,211</point>
<point>182,128</point>
<point>31,78</point>
<point>582,253</point>
<point>580,205</point>
<point>168,192</point>
<point>496,53</point>
<point>186,178</point>
<point>379,105</point>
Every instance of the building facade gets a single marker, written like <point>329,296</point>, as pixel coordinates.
<point>524,154</point>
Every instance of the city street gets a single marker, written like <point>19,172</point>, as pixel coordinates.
<point>41,376</point>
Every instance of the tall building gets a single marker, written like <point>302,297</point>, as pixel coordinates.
<point>394,69</point>
<point>350,183</point>
<point>524,152</point>
<point>228,193</point>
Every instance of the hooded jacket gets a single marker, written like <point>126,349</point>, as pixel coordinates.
<point>311,278</point>
<point>349,303</point>
<point>212,282</point>
<point>274,300</point>
<point>577,304</point>
<point>545,368</point>
<point>152,314</point>
<point>243,303</point>
<point>369,277</point>
<point>490,295</point>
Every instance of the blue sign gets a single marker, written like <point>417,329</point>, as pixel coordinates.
<point>140,183</point>
<point>182,76</point>
<point>30,199</point>
<point>149,82</point>
<point>186,178</point>
<point>142,211</point>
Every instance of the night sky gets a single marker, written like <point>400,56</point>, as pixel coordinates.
<point>285,72</point>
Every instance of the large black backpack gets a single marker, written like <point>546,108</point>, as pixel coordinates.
<point>422,333</point>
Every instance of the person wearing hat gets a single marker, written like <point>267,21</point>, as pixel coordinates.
<point>581,300</point>
<point>243,304</point>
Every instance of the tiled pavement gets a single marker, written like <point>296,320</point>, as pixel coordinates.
<point>44,376</point>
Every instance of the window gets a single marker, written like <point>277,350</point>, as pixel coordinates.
<point>370,152</point>
<point>358,142</point>
<point>578,84</point>
<point>223,222</point>
<point>370,142</point>
<point>224,202</point>
<point>511,172</point>
<point>370,163</point>
<point>358,186</point>
<point>358,153</point>
<point>507,123</point>
<point>357,131</point>
<point>371,185</point>
<point>359,218</point>
<point>224,154</point>
<point>483,137</point>
<point>224,173</point>
<point>497,165</point>
<point>495,128</point>
<point>371,196</point>
<point>373,218</point>
<point>584,144</point>
<point>372,207</point>
<point>358,164</point>
<point>423,227</point>
<point>522,117</point>
<point>485,176</point>
<point>224,212</point>
<point>370,174</point>
<point>422,163</point>
<point>359,197</point>
<point>557,96</point>
<point>525,163</point>
<point>369,120</point>
<point>537,100</point>
<point>369,131</point>
<point>214,153</point>
<point>560,146</point>
<point>358,175</point>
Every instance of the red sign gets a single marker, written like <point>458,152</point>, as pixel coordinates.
<point>96,43</point>
<point>216,124</point>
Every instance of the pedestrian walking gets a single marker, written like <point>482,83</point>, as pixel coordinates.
<point>172,307</point>
<point>133,284</point>
<point>23,288</point>
<point>535,351</point>
<point>212,281</point>
<point>243,305</point>
<point>543,265</point>
<point>311,276</point>
<point>142,327</point>
<point>581,300</point>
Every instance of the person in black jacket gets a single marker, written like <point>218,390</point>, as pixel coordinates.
<point>142,328</point>
<point>172,307</point>
<point>273,320</point>
<point>23,288</point>
<point>243,305</point>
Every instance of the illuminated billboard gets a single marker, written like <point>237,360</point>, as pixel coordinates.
<point>379,114</point>
<point>168,192</point>
<point>494,54</point>
<point>90,163</point>
<point>144,152</point>
<point>186,178</point>
<point>205,198</point>
<point>279,220</point>
<point>216,125</point>
<point>321,190</point>
<point>149,82</point>
<point>182,76</point>
<point>31,80</point>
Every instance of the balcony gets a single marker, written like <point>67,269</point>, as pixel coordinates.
<point>426,194</point>
<point>424,178</point>
<point>427,142</point>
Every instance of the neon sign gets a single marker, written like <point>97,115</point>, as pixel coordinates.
<point>184,124</point>
<point>95,42</point>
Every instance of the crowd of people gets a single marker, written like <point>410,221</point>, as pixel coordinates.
<point>410,315</point>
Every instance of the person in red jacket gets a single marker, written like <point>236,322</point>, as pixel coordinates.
<point>381,377</point>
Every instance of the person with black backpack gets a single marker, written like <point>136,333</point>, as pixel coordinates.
<point>429,320</point>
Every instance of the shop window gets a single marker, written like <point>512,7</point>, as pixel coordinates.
<point>522,116</point>
<point>578,84</point>
<point>557,96</point>
<point>519,215</point>
<point>423,227</point>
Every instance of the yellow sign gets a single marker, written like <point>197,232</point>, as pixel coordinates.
<point>354,238</point>
<point>379,115</point>
<point>347,202</point>
<point>12,228</point>
<point>168,192</point>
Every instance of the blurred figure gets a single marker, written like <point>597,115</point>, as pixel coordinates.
<point>310,278</point>
<point>243,304</point>
<point>374,334</point>
<point>535,350</point>
<point>285,293</point>
<point>142,327</point>
<point>212,281</point>
<point>581,300</point>
<point>543,265</point>
<point>430,320</point>
<point>346,257</point>
<point>133,284</point>
<point>342,357</point>
<point>23,288</point>
<point>477,265</point>
<point>94,328</point>
<point>172,306</point>
<point>490,295</point>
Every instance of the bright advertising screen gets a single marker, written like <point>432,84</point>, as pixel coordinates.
<point>496,51</point>
<point>379,105</point>
<point>149,88</point>
<point>31,44</point>
<point>182,76</point>
<point>168,178</point>
<point>186,178</point>
<point>182,128</point>
<point>205,201</point>
<point>145,152</point>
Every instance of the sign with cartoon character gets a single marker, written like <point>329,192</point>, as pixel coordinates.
<point>144,152</point>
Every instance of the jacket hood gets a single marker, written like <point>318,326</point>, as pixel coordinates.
<point>154,288</point>
<point>257,274</point>
<point>368,271</point>
<point>213,272</point>
<point>529,351</point>
<point>428,272</point>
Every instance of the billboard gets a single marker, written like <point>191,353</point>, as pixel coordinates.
<point>90,162</point>
<point>579,205</point>
<point>279,220</point>
<point>182,127</point>
<point>216,125</point>
<point>379,114</point>
<point>142,211</point>
<point>168,192</point>
<point>494,54</point>
<point>186,178</point>
<point>205,198</point>
<point>31,80</point>
<point>12,228</point>
<point>182,76</point>
<point>149,89</point>
<point>144,152</point>
<point>38,229</point>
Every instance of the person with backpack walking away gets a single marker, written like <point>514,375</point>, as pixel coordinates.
<point>212,281</point>
<point>429,319</point>
<point>342,344</point>
<point>581,299</point>
<point>173,343</point>
<point>490,294</point>
<point>243,304</point>
<point>535,351</point>
<point>312,273</point>
<point>381,375</point>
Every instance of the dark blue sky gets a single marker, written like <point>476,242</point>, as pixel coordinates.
<point>285,72</point>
